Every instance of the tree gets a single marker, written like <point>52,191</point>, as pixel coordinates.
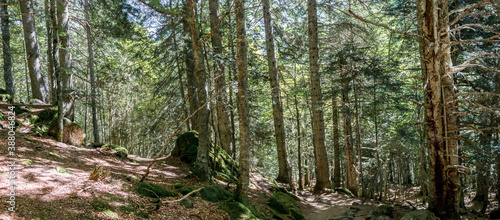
<point>336,144</point>
<point>318,123</point>
<point>202,158</point>
<point>191,79</point>
<point>433,25</point>
<point>220,79</point>
<point>50,63</point>
<point>65,58</point>
<point>7,57</point>
<point>243,112</point>
<point>284,174</point>
<point>32,51</point>
<point>93,94</point>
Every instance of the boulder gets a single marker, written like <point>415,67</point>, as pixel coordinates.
<point>154,190</point>
<point>237,211</point>
<point>214,193</point>
<point>420,215</point>
<point>188,203</point>
<point>222,164</point>
<point>285,204</point>
<point>73,132</point>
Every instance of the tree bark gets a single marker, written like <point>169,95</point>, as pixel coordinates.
<point>190,76</point>
<point>299,138</point>
<point>352,183</point>
<point>220,79</point>
<point>50,63</point>
<point>65,58</point>
<point>7,57</point>
<point>32,51</point>
<point>432,16</point>
<point>202,158</point>
<point>93,94</point>
<point>336,144</point>
<point>284,174</point>
<point>358,142</point>
<point>318,122</point>
<point>241,59</point>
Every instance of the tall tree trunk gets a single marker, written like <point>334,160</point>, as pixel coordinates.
<point>55,51</point>
<point>65,58</point>
<point>284,174</point>
<point>202,157</point>
<point>50,63</point>
<point>220,79</point>
<point>318,122</point>
<point>358,141</point>
<point>93,94</point>
<point>241,59</point>
<point>299,137</point>
<point>32,51</point>
<point>336,144</point>
<point>190,76</point>
<point>377,152</point>
<point>7,57</point>
<point>432,16</point>
<point>352,183</point>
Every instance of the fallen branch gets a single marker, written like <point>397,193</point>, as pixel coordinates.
<point>187,195</point>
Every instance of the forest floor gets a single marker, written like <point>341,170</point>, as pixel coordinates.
<point>53,183</point>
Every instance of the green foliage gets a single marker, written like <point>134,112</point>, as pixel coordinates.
<point>127,208</point>
<point>110,213</point>
<point>62,170</point>
<point>47,115</point>
<point>54,155</point>
<point>115,198</point>
<point>101,205</point>
<point>285,204</point>
<point>3,117</point>
<point>237,211</point>
<point>29,139</point>
<point>142,214</point>
<point>178,185</point>
<point>154,190</point>
<point>215,193</point>
<point>27,162</point>
<point>187,189</point>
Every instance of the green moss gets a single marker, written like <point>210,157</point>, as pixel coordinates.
<point>101,205</point>
<point>214,193</point>
<point>154,190</point>
<point>47,115</point>
<point>115,198</point>
<point>41,216</point>
<point>27,162</point>
<point>237,210</point>
<point>121,154</point>
<point>3,117</point>
<point>127,208</point>
<point>386,210</point>
<point>115,147</point>
<point>29,139</point>
<point>285,204</point>
<point>222,164</point>
<point>178,185</point>
<point>187,189</point>
<point>110,213</point>
<point>345,191</point>
<point>62,170</point>
<point>142,214</point>
<point>18,110</point>
<point>54,155</point>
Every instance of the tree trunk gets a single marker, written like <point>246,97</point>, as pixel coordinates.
<point>202,158</point>
<point>284,174</point>
<point>50,63</point>
<point>336,144</point>
<point>32,51</point>
<point>65,58</point>
<point>358,141</point>
<point>220,79</point>
<point>241,59</point>
<point>190,76</point>
<point>299,137</point>
<point>318,122</point>
<point>93,94</point>
<point>55,51</point>
<point>352,183</point>
<point>432,16</point>
<point>7,57</point>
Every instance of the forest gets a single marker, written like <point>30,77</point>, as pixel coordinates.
<point>234,109</point>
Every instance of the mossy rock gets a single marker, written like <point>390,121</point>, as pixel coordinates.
<point>237,211</point>
<point>142,214</point>
<point>188,203</point>
<point>345,191</point>
<point>178,185</point>
<point>18,110</point>
<point>285,204</point>
<point>121,154</point>
<point>46,116</point>
<point>420,215</point>
<point>222,164</point>
<point>214,193</point>
<point>101,205</point>
<point>154,190</point>
<point>386,210</point>
<point>187,189</point>
<point>127,208</point>
<point>115,147</point>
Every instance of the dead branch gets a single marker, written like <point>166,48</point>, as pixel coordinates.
<point>187,195</point>
<point>487,40</point>
<point>468,9</point>
<point>469,26</point>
